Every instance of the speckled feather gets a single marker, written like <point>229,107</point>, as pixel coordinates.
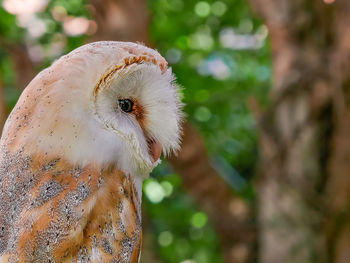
<point>71,163</point>
<point>54,212</point>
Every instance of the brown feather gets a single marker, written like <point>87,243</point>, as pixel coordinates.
<point>66,212</point>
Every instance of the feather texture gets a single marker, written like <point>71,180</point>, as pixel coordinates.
<point>54,212</point>
<point>72,161</point>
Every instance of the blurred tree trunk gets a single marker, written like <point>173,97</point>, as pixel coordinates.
<point>121,20</point>
<point>24,72</point>
<point>128,20</point>
<point>3,108</point>
<point>304,182</point>
<point>23,66</point>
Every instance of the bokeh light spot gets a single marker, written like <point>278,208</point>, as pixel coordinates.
<point>92,29</point>
<point>36,27</point>
<point>218,8</point>
<point>75,26</point>
<point>202,9</point>
<point>173,55</point>
<point>154,191</point>
<point>165,238</point>
<point>218,68</point>
<point>202,114</point>
<point>202,256</point>
<point>201,40</point>
<point>167,187</point>
<point>59,13</point>
<point>245,25</point>
<point>20,7</point>
<point>199,220</point>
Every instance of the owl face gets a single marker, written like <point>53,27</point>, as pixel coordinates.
<point>105,102</point>
<point>140,104</point>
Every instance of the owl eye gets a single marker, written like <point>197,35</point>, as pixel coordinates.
<point>126,105</point>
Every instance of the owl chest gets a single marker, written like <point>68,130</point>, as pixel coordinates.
<point>68,214</point>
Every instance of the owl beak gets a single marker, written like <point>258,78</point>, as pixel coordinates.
<point>154,148</point>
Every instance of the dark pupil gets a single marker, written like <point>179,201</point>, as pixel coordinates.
<point>126,105</point>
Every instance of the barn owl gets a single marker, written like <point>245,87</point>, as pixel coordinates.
<point>75,149</point>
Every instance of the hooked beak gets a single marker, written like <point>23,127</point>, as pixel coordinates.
<point>154,149</point>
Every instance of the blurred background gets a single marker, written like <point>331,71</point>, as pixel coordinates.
<point>264,171</point>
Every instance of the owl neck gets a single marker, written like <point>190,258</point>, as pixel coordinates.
<point>79,142</point>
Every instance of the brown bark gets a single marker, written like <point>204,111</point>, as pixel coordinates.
<point>129,21</point>
<point>3,108</point>
<point>338,187</point>
<point>304,186</point>
<point>121,20</point>
<point>23,66</point>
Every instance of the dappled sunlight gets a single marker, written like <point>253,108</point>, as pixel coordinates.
<point>24,7</point>
<point>262,175</point>
<point>219,53</point>
<point>47,22</point>
<point>230,39</point>
<point>75,26</point>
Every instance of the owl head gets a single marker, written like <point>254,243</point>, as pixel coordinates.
<point>105,102</point>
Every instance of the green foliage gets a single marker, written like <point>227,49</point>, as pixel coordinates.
<point>219,54</point>
<point>8,28</point>
<point>217,80</point>
<point>180,231</point>
<point>49,45</point>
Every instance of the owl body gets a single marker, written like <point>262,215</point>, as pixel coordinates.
<point>75,149</point>
<point>55,212</point>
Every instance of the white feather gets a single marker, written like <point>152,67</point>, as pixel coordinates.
<point>83,127</point>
